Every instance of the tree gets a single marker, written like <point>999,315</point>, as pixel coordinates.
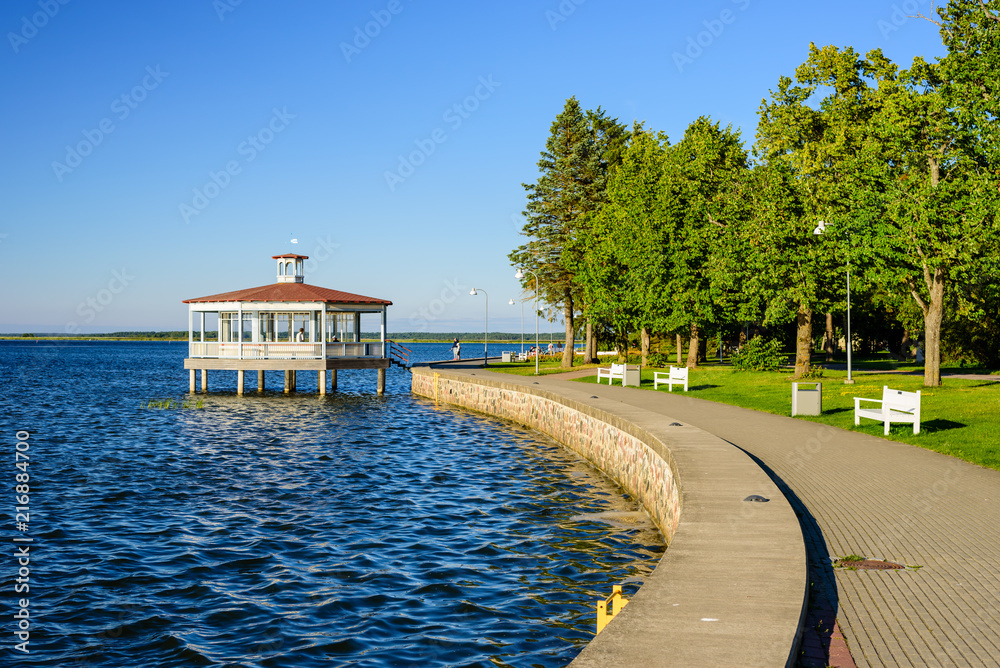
<point>570,189</point>
<point>937,191</point>
<point>697,188</point>
<point>619,272</point>
<point>816,147</point>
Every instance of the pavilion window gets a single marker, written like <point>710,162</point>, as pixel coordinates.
<point>340,325</point>
<point>283,327</point>
<point>300,321</point>
<point>267,331</point>
<point>247,326</point>
<point>229,327</point>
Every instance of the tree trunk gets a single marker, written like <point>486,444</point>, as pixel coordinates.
<point>692,361</point>
<point>644,344</point>
<point>803,341</point>
<point>567,360</point>
<point>904,346</point>
<point>588,344</point>
<point>679,346</point>
<point>828,343</point>
<point>933,315</point>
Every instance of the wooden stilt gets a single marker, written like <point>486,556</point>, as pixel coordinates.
<point>204,380</point>
<point>380,387</point>
<point>191,382</point>
<point>333,380</point>
<point>321,381</point>
<point>288,381</point>
<point>260,380</point>
<point>294,378</point>
<point>239,381</point>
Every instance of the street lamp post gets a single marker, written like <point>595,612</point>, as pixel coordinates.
<point>520,274</point>
<point>821,229</point>
<point>486,333</point>
<point>511,302</point>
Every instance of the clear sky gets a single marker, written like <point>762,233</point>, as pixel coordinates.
<point>159,151</point>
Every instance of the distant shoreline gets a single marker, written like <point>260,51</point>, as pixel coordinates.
<point>18,337</point>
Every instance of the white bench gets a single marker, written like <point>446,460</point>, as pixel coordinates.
<point>895,406</point>
<point>628,375</point>
<point>678,375</point>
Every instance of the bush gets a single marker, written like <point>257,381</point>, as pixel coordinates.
<point>658,360</point>
<point>815,371</point>
<point>759,354</point>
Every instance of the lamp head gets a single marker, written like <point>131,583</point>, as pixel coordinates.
<point>472,292</point>
<point>820,228</point>
<point>511,302</point>
<point>519,274</point>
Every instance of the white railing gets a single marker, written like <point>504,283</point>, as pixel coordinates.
<point>282,350</point>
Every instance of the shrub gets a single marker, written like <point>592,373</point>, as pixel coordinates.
<point>815,371</point>
<point>759,354</point>
<point>658,360</point>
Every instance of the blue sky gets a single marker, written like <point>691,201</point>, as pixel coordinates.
<point>159,151</point>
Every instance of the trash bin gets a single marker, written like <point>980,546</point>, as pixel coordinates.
<point>807,399</point>
<point>505,356</point>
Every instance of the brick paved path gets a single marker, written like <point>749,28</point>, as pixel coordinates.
<point>859,494</point>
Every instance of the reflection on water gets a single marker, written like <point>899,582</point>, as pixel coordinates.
<point>277,530</point>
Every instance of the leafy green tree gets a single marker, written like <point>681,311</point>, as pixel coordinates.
<point>937,192</point>
<point>618,273</point>
<point>697,189</point>
<point>816,145</point>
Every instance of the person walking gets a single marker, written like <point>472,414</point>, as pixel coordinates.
<point>456,350</point>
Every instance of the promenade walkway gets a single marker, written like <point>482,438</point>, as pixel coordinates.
<point>863,495</point>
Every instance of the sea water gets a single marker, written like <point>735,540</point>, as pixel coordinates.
<point>167,529</point>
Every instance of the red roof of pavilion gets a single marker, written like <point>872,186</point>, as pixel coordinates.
<point>290,292</point>
<point>289,256</point>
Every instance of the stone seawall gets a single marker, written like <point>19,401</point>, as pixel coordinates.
<point>630,456</point>
<point>731,588</point>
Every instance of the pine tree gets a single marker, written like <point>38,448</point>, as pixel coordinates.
<point>570,188</point>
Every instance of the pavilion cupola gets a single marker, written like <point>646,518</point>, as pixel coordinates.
<point>290,267</point>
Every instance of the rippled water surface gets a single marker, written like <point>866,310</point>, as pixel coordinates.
<point>298,531</point>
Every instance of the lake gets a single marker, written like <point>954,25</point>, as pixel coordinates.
<point>296,530</point>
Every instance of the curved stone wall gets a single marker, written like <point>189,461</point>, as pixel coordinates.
<point>731,588</point>
<point>630,456</point>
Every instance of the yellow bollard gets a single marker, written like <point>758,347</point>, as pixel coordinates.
<point>609,607</point>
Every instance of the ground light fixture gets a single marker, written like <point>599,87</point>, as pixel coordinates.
<point>538,349</point>
<point>486,333</point>
<point>821,229</point>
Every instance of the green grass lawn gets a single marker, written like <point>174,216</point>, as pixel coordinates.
<point>961,418</point>
<point>547,364</point>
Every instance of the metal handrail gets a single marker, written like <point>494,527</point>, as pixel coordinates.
<point>609,607</point>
